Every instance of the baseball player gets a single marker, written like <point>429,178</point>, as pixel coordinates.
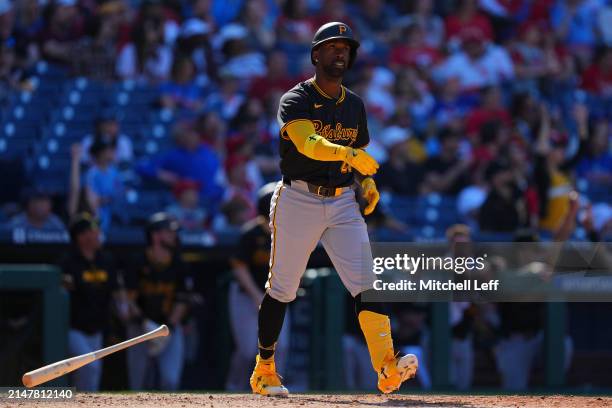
<point>160,285</point>
<point>92,281</point>
<point>323,135</point>
<point>250,270</point>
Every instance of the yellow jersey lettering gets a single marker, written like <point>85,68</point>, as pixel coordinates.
<point>340,133</point>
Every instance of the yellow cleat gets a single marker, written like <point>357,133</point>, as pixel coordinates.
<point>265,380</point>
<point>395,371</point>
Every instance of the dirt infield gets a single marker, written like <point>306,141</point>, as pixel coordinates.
<point>159,400</point>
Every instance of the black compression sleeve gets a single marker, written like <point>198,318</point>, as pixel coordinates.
<point>376,307</point>
<point>271,316</point>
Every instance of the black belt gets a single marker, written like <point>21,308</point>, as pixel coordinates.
<point>318,190</point>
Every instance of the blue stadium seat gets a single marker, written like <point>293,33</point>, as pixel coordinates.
<point>152,185</point>
<point>131,129</point>
<point>151,147</point>
<point>51,172</point>
<point>430,232</point>
<point>598,194</point>
<point>67,130</point>
<point>51,71</point>
<point>75,113</point>
<point>125,234</point>
<point>55,147</point>
<point>19,130</point>
<point>402,207</point>
<point>135,114</point>
<point>50,86</point>
<point>139,205</point>
<point>87,98</point>
<point>25,113</point>
<point>156,130</point>
<point>14,147</point>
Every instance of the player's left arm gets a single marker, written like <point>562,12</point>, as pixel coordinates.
<point>368,185</point>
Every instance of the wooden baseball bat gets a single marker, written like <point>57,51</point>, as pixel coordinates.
<point>54,370</point>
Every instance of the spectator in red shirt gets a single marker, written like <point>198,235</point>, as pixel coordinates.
<point>540,10</point>
<point>598,77</point>
<point>491,108</point>
<point>276,79</point>
<point>413,51</point>
<point>467,17</point>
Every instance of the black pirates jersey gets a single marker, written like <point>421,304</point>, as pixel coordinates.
<point>341,121</point>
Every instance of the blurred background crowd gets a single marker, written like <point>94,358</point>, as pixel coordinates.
<point>497,109</point>
<point>495,114</point>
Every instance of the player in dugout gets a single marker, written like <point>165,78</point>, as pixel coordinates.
<point>91,279</point>
<point>159,286</point>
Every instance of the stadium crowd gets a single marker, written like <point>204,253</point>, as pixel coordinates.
<point>502,105</point>
<point>497,112</point>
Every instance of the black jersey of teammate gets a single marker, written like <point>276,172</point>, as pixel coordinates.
<point>156,288</point>
<point>341,121</point>
<point>91,286</point>
<point>254,251</point>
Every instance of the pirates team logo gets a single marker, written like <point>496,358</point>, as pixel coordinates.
<point>342,28</point>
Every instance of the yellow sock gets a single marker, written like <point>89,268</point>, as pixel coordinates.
<point>376,328</point>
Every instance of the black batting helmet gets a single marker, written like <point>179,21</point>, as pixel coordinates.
<point>264,196</point>
<point>160,221</point>
<point>335,31</point>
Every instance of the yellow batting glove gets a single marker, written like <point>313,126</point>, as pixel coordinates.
<point>360,160</point>
<point>370,193</point>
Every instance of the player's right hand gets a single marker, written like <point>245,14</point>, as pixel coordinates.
<point>361,161</point>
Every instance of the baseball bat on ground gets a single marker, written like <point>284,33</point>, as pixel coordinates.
<point>54,370</point>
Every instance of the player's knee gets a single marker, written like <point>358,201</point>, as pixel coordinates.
<point>282,295</point>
